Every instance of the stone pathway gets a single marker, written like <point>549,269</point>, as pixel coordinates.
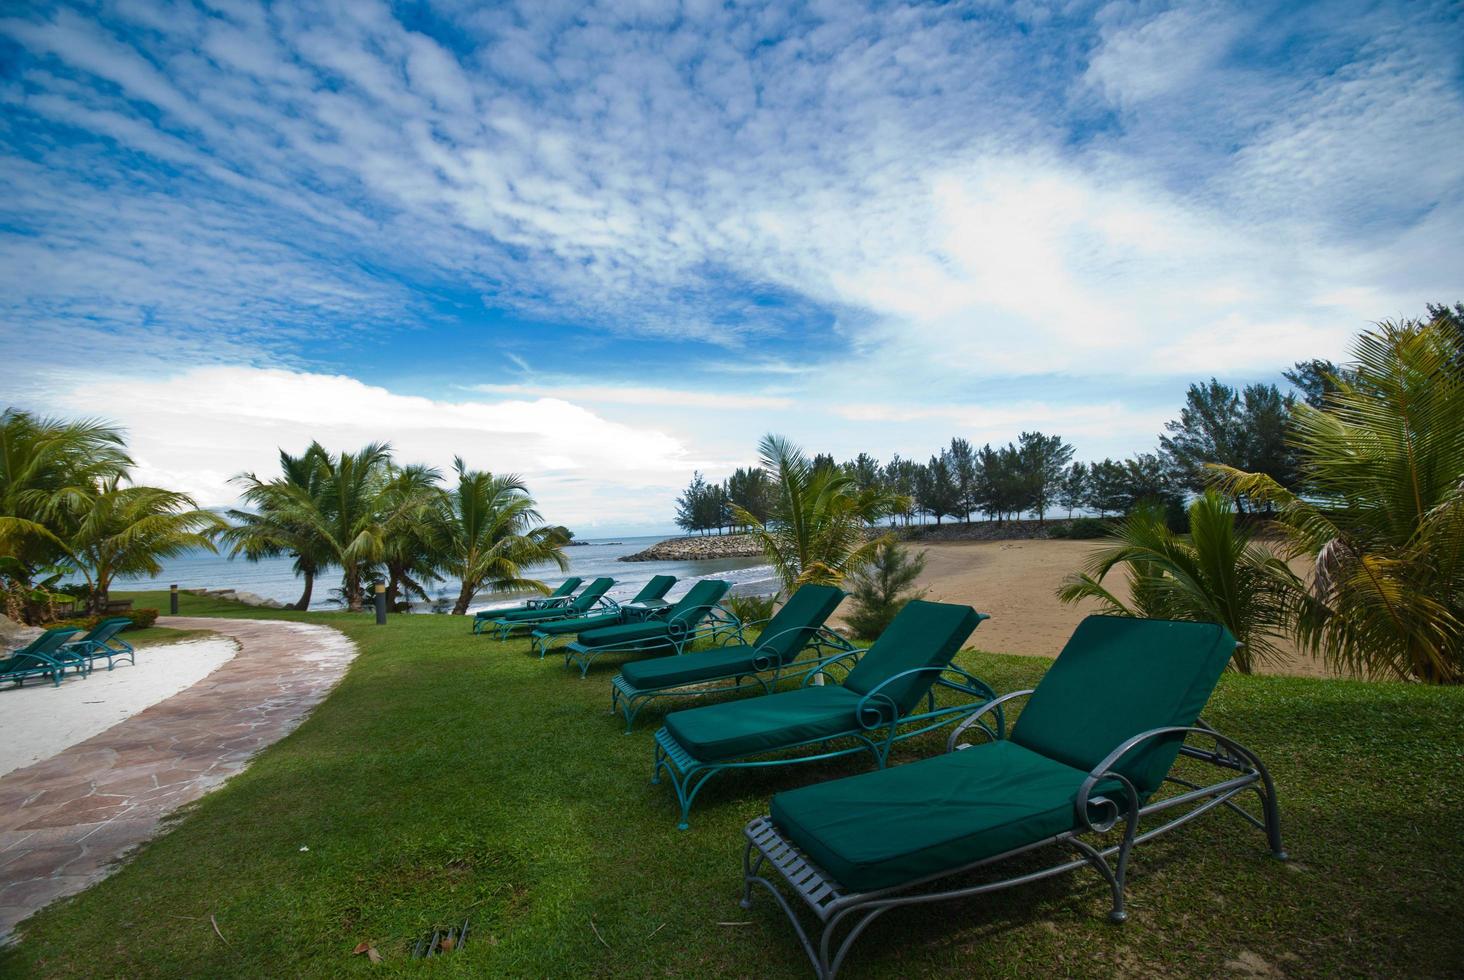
<point>65,821</point>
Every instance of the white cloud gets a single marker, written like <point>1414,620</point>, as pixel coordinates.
<point>632,395</point>
<point>194,430</point>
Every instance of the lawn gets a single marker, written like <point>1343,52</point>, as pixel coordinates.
<point>452,776</point>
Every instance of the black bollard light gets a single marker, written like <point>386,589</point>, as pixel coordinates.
<point>172,600</point>
<point>381,605</point>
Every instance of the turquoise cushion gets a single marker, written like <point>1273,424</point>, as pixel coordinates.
<point>1118,677</point>
<point>563,627</point>
<point>624,633</point>
<point>690,668</point>
<point>655,589</point>
<point>923,634</point>
<point>693,607</point>
<point>885,828</point>
<point>788,632</point>
<point>736,728</point>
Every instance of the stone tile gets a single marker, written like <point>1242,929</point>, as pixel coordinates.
<point>66,820</point>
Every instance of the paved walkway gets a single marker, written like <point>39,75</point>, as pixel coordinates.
<point>66,820</point>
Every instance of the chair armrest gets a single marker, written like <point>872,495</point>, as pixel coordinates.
<point>994,704</point>
<point>819,668</point>
<point>763,661</point>
<point>875,694</point>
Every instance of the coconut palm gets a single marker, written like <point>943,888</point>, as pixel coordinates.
<point>1218,574</point>
<point>411,548</point>
<point>1381,507</point>
<point>116,530</point>
<point>490,532</point>
<point>45,464</point>
<point>817,529</point>
<point>278,525</point>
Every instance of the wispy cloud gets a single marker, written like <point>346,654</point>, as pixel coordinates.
<point>908,199</point>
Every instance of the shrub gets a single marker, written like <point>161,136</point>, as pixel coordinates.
<point>881,588</point>
<point>1082,528</point>
<point>141,620</point>
<point>751,608</point>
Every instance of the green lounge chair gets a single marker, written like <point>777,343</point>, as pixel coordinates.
<point>694,616</point>
<point>1087,756</point>
<point>874,707</point>
<point>103,641</point>
<point>559,596</point>
<point>648,602</point>
<point>42,657</point>
<point>593,595</point>
<point>796,627</point>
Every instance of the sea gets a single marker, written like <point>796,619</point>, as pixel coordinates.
<point>273,578</point>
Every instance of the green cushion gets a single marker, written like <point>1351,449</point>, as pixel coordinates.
<point>563,627</point>
<point>566,587</point>
<point>528,615</point>
<point>689,668</point>
<point>656,589</point>
<point>623,633</point>
<point>1118,677</point>
<point>693,607</point>
<point>736,728</point>
<point>591,595</point>
<point>885,828</point>
<point>788,632</point>
<point>923,634</point>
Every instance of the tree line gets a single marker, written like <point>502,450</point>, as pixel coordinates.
<point>1247,428</point>
<point>66,510</point>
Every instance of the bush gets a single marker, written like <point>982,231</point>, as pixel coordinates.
<point>141,620</point>
<point>881,588</point>
<point>1082,528</point>
<point>751,608</point>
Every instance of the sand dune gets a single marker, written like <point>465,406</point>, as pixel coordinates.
<point>1015,582</point>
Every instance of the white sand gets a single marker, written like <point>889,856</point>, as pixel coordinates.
<point>39,720</point>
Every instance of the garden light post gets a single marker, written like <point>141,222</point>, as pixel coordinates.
<point>173,600</point>
<point>380,605</point>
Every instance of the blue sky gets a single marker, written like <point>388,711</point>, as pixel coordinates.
<point>605,245</point>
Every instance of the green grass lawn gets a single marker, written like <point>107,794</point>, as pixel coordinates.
<point>452,776</point>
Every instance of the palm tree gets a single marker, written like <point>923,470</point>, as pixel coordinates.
<point>45,464</point>
<point>1381,507</point>
<point>490,532</point>
<point>280,524</point>
<point>1218,575</point>
<point>116,530</point>
<point>817,529</point>
<point>411,550</point>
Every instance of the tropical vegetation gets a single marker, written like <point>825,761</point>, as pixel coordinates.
<point>817,527</point>
<point>1218,573</point>
<point>1379,508</point>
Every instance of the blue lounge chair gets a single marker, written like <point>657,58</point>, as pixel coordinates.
<point>560,595</point>
<point>648,603</point>
<point>797,627</point>
<point>696,615</point>
<point>42,657</point>
<point>505,624</point>
<point>103,641</point>
<point>1089,755</point>
<point>877,704</point>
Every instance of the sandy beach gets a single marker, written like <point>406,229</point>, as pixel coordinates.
<point>43,719</point>
<point>1015,582</point>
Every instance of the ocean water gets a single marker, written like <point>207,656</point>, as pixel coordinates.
<point>274,578</point>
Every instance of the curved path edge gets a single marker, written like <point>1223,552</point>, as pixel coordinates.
<point>65,821</point>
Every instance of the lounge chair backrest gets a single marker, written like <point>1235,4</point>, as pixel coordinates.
<point>47,643</point>
<point>592,594</point>
<point>693,607</point>
<point>655,590</point>
<point>566,587</point>
<point>106,629</point>
<point>789,631</point>
<point>1116,678</point>
<point>922,635</point>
